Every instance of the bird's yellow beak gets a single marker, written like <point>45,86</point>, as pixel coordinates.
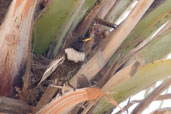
<point>87,39</point>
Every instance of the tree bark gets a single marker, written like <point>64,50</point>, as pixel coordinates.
<point>14,42</point>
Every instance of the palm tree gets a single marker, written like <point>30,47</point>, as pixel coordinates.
<point>72,52</point>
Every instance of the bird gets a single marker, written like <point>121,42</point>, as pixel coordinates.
<point>80,49</point>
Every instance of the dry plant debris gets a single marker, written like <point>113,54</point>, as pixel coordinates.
<point>54,83</point>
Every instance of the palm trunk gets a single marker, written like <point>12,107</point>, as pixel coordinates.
<point>14,42</point>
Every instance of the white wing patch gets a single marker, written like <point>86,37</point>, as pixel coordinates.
<point>74,55</point>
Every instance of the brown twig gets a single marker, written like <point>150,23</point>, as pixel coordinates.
<point>151,97</point>
<point>105,23</point>
<point>161,97</point>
